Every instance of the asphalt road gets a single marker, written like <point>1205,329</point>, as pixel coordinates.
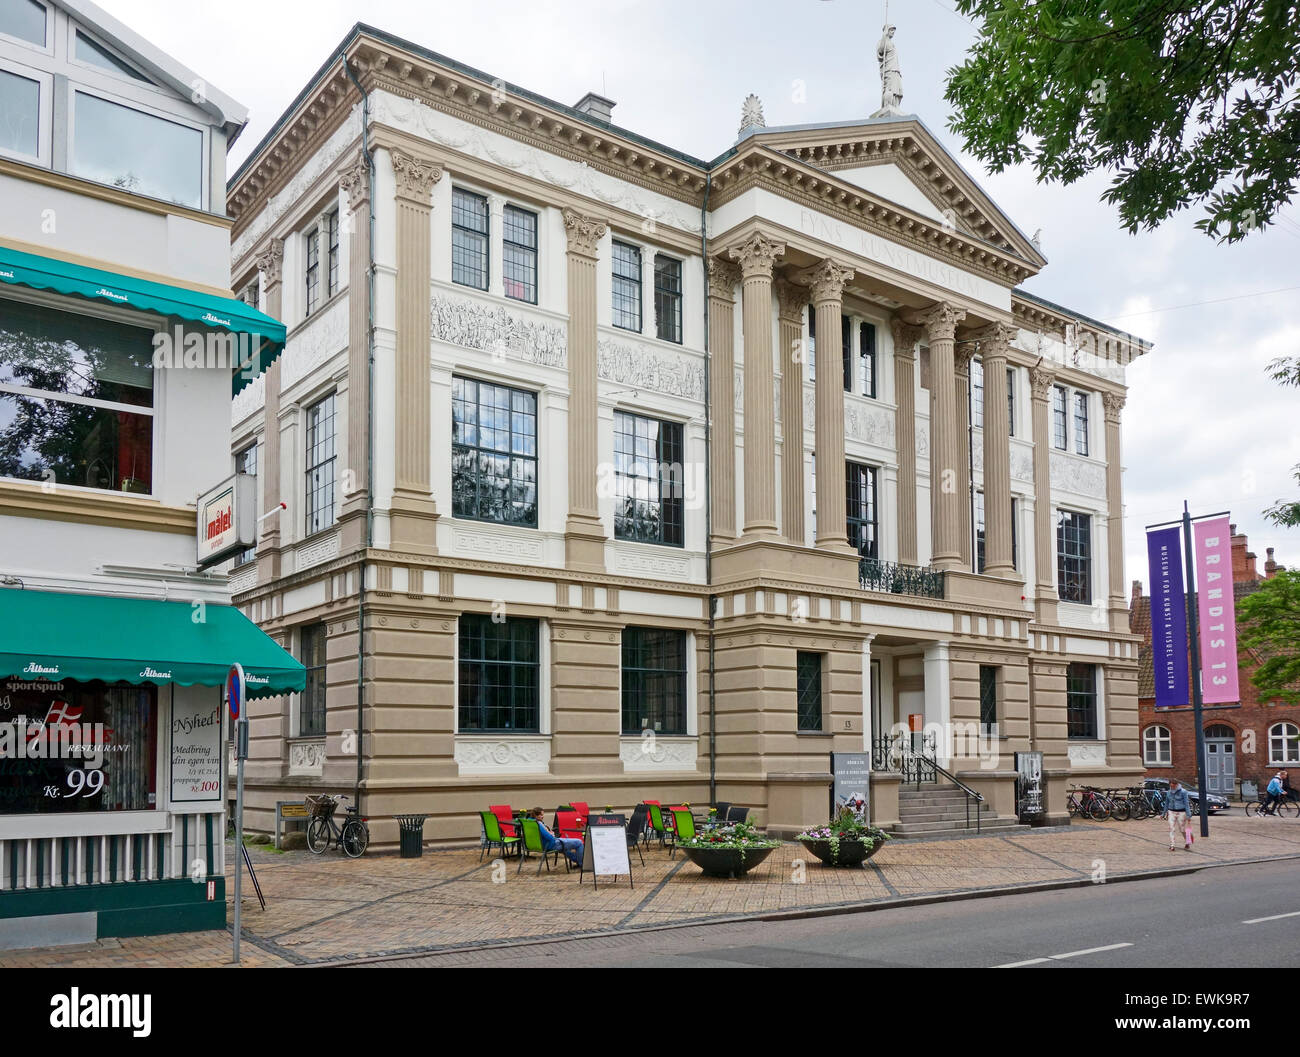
<point>1211,918</point>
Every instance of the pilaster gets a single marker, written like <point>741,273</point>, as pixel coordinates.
<point>906,337</point>
<point>270,263</point>
<point>994,341</point>
<point>1041,381</point>
<point>1114,406</point>
<point>940,322</point>
<point>790,304</point>
<point>355,182</point>
<point>724,277</point>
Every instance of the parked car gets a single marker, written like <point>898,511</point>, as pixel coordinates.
<point>1216,802</point>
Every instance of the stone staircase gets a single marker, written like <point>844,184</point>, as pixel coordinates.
<point>941,809</point>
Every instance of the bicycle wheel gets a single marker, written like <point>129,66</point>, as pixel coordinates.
<point>1140,808</point>
<point>1073,806</point>
<point>1288,809</point>
<point>1098,809</point>
<point>1252,809</point>
<point>1120,810</point>
<point>318,835</point>
<point>355,838</point>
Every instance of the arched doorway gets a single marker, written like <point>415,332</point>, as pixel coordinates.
<point>1220,759</point>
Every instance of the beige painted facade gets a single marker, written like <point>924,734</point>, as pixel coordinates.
<point>872,221</point>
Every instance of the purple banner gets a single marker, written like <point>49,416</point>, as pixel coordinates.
<point>1212,553</point>
<point>1168,618</point>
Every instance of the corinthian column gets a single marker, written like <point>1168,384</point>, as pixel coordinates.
<point>940,323</point>
<point>997,451</point>
<point>413,513</point>
<point>961,366</point>
<point>905,338</point>
<point>270,265</point>
<point>724,277</point>
<point>790,301</point>
<point>1114,405</point>
<point>756,257</point>
<point>584,535</point>
<point>355,181</point>
<point>827,281</point>
<point>1041,381</point>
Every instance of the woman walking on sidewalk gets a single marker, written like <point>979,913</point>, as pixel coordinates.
<point>1177,806</point>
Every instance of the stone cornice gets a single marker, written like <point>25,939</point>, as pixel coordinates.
<point>1105,345</point>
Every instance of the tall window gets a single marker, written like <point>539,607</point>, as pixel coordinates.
<point>320,465</point>
<point>519,254</point>
<point>493,453</point>
<point>311,714</point>
<point>626,305</point>
<point>649,503</point>
<point>846,351</point>
<point>860,506</point>
<point>1074,557</point>
<point>668,298</point>
<point>1157,746</point>
<point>808,687</point>
<point>1011,401</point>
<point>654,681</point>
<point>1060,428</point>
<point>332,253</point>
<point>498,674</point>
<point>251,293</point>
<point>469,239</point>
<point>246,462</point>
<point>20,114</point>
<point>312,276</point>
<point>867,355</point>
<point>980,533</point>
<point>76,399</point>
<point>812,343</point>
<point>988,697</point>
<point>1081,700</point>
<point>1283,743</point>
<point>1081,423</point>
<point>138,152</point>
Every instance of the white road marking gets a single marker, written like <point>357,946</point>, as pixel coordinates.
<point>1275,917</point>
<point>1072,954</point>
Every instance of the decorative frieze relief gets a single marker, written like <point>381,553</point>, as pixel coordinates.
<point>494,545</point>
<point>1087,753</point>
<point>1022,460</point>
<point>496,330</point>
<point>307,757</point>
<point>321,550</point>
<point>244,578</point>
<point>1080,476</point>
<point>652,566</point>
<point>491,755</point>
<point>862,421</point>
<point>658,754</point>
<point>642,367</point>
<point>314,342</point>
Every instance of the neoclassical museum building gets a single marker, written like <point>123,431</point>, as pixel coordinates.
<point>611,473</point>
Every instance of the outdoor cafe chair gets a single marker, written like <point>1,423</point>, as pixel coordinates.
<point>657,826</point>
<point>568,824</point>
<point>737,814</point>
<point>493,834</point>
<point>581,808</point>
<point>532,845</point>
<point>506,817</point>
<point>635,828</point>
<point>683,828</point>
<point>720,811</point>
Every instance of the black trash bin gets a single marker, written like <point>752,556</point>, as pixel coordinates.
<point>411,835</point>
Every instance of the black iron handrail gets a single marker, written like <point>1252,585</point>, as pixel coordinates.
<point>895,578</point>
<point>970,794</point>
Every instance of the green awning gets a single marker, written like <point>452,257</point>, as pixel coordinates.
<point>175,302</point>
<point>54,636</point>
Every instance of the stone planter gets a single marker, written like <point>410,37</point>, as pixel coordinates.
<point>727,862</point>
<point>846,853</point>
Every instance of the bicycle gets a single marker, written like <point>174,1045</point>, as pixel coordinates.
<point>1286,808</point>
<point>1088,803</point>
<point>352,838</point>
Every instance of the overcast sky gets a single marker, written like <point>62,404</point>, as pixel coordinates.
<point>1202,422</point>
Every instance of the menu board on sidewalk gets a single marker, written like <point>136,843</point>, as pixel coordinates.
<point>852,774</point>
<point>604,851</point>
<point>196,748</point>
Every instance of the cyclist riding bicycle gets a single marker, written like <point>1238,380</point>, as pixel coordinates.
<point>1275,792</point>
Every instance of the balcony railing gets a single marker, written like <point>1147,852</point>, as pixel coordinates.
<point>893,578</point>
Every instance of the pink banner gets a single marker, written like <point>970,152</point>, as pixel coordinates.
<point>1212,547</point>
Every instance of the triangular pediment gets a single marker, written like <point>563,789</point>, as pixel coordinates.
<point>900,160</point>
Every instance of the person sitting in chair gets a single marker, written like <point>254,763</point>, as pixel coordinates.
<point>571,846</point>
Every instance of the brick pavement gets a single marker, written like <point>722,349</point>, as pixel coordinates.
<point>327,909</point>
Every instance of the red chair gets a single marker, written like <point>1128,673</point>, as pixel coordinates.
<point>506,817</point>
<point>581,808</point>
<point>569,824</point>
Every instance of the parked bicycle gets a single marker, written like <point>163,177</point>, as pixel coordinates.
<point>352,838</point>
<point>1088,803</point>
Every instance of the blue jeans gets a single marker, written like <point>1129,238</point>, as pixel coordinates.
<point>572,848</point>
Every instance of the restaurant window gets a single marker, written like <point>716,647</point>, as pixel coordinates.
<point>988,698</point>
<point>808,688</point>
<point>668,298</point>
<point>1074,557</point>
<point>20,114</point>
<point>493,453</point>
<point>76,399</point>
<point>332,253</point>
<point>1081,423</point>
<point>246,462</point>
<point>1060,428</point>
<point>519,254</point>
<point>498,675</point>
<point>24,20</point>
<point>1157,746</point>
<point>320,465</point>
<point>85,747</point>
<point>311,712</point>
<point>860,508</point>
<point>867,357</point>
<point>1283,744</point>
<point>846,351</point>
<point>1081,700</point>
<point>469,239</point>
<point>654,681</point>
<point>626,303</point>
<point>127,148</point>
<point>648,471</point>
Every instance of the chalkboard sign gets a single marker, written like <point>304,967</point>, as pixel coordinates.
<point>604,849</point>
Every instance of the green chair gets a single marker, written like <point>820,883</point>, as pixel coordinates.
<point>492,834</point>
<point>683,828</point>
<point>657,826</point>
<point>533,845</point>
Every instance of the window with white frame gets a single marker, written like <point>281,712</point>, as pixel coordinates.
<point>519,254</point>
<point>626,303</point>
<point>20,114</point>
<point>125,147</point>
<point>320,451</point>
<point>1081,701</point>
<point>321,273</point>
<point>867,358</point>
<point>1074,557</point>
<point>25,20</point>
<point>88,50</point>
<point>1081,423</point>
<point>332,254</point>
<point>311,703</point>
<point>1070,420</point>
<point>1060,427</point>
<point>1157,746</point>
<point>1283,743</point>
<point>469,239</point>
<point>668,298</point>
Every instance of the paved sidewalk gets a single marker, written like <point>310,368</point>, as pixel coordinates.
<point>326,909</point>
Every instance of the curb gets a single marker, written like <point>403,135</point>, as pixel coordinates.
<point>799,913</point>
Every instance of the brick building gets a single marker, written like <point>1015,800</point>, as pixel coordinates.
<point>1246,741</point>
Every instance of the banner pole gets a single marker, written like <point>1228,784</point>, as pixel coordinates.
<point>1193,650</point>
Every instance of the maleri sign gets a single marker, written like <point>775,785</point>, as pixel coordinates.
<point>227,521</point>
